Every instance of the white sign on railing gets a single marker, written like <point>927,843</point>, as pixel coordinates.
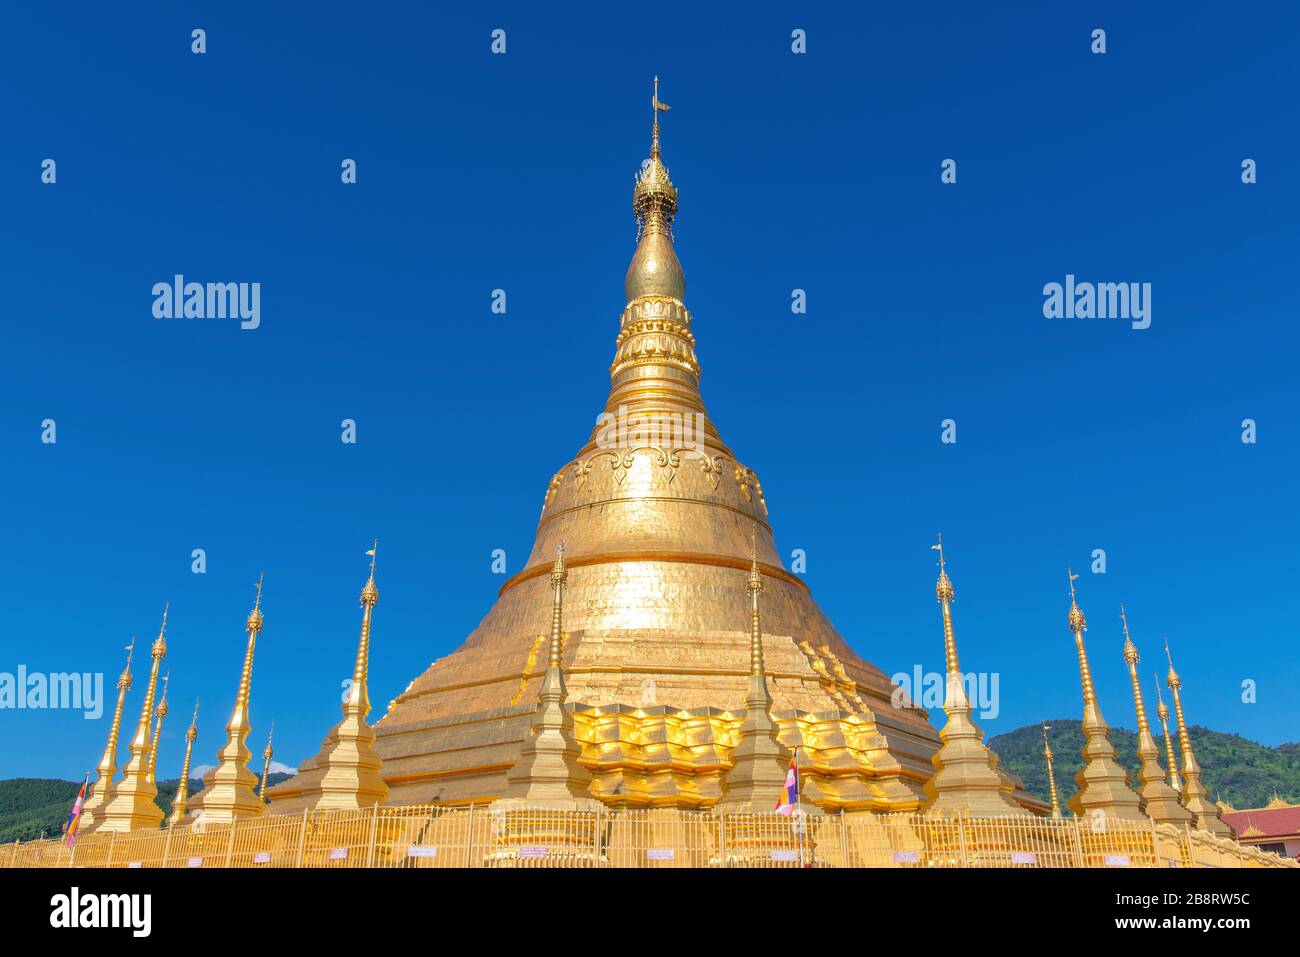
<point>262,857</point>
<point>422,850</point>
<point>135,864</point>
<point>785,855</point>
<point>660,854</point>
<point>194,862</point>
<point>1024,857</point>
<point>339,854</point>
<point>533,852</point>
<point>906,857</point>
<point>1117,860</point>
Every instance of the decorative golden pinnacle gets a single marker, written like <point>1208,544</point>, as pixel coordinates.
<point>1130,650</point>
<point>254,622</point>
<point>369,592</point>
<point>559,571</point>
<point>1077,622</point>
<point>943,588</point>
<point>1175,682</point>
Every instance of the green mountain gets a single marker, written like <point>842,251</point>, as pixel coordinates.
<point>1241,772</point>
<point>30,806</point>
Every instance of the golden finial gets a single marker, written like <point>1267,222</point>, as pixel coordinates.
<point>369,592</point>
<point>943,590</point>
<point>358,698</point>
<point>1172,677</point>
<point>559,570</point>
<point>655,107</point>
<point>159,648</point>
<point>1162,712</point>
<point>1051,774</point>
<point>559,575</point>
<point>193,731</point>
<point>255,616</point>
<point>755,588</point>
<point>266,763</point>
<point>124,679</point>
<point>161,710</point>
<point>1077,622</point>
<point>1130,650</point>
<point>159,713</point>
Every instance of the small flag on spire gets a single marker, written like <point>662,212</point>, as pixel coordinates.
<point>70,829</point>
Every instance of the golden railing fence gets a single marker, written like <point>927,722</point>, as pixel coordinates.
<point>508,836</point>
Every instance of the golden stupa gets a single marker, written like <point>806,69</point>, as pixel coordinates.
<point>655,513</point>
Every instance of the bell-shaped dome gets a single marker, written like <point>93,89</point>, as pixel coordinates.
<point>655,269</point>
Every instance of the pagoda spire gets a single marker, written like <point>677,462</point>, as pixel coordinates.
<point>1205,815</point>
<point>183,786</point>
<point>1051,775</point>
<point>93,811</point>
<point>966,774</point>
<point>228,789</point>
<point>267,754</point>
<point>1162,712</point>
<point>347,771</point>
<point>1159,801</point>
<point>655,371</point>
<point>133,803</point>
<point>759,763</point>
<point>1103,784</point>
<point>548,770</point>
<point>159,714</point>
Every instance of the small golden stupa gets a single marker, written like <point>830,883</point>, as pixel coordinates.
<point>1160,802</point>
<point>656,514</point>
<point>228,789</point>
<point>1205,816</point>
<point>1104,790</point>
<point>967,778</point>
<point>132,804</point>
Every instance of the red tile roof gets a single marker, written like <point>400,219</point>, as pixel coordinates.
<point>1273,822</point>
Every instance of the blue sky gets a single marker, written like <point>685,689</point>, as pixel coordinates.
<point>475,172</point>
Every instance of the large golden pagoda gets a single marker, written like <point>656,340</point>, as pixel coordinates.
<point>655,512</point>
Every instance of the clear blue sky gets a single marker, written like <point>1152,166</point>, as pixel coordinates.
<point>478,172</point>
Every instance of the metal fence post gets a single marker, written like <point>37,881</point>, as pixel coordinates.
<point>112,840</point>
<point>302,838</point>
<point>1078,841</point>
<point>961,838</point>
<point>469,839</point>
<point>844,840</point>
<point>722,836</point>
<point>167,846</point>
<point>230,844</point>
<point>14,857</point>
<point>374,833</point>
